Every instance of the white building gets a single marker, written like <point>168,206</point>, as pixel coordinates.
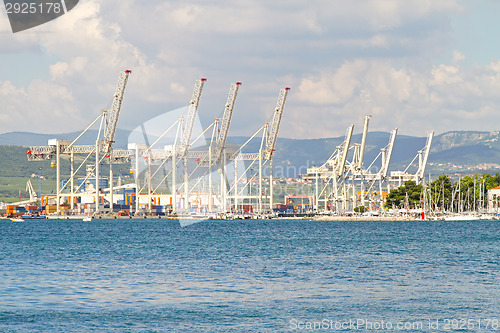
<point>494,200</point>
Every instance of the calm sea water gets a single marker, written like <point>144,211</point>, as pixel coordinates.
<point>264,275</point>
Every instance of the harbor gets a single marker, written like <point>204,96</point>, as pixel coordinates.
<point>249,166</point>
<point>178,170</point>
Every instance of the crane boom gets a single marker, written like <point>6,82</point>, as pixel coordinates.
<point>191,116</point>
<point>115,110</point>
<point>226,119</point>
<point>388,154</point>
<point>345,150</point>
<point>275,124</point>
<point>359,165</point>
<point>423,158</point>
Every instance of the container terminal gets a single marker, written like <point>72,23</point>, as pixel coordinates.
<point>181,175</point>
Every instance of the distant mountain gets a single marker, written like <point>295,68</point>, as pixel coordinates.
<point>465,152</point>
<point>27,139</point>
<point>454,139</point>
<point>462,150</point>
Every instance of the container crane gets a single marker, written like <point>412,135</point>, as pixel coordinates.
<point>31,192</point>
<point>110,131</point>
<point>387,154</point>
<point>265,154</point>
<point>58,147</point>
<point>423,156</point>
<point>271,140</point>
<point>187,131</point>
<point>155,156</point>
<point>220,143</point>
<point>332,171</point>
<point>381,175</point>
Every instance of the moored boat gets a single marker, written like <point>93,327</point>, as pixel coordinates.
<point>462,217</point>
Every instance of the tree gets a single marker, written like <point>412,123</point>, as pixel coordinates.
<point>441,192</point>
<point>467,192</point>
<point>360,209</point>
<point>397,197</point>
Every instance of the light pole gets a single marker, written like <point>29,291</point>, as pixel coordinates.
<point>40,187</point>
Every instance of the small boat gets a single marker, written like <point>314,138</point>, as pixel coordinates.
<point>34,217</point>
<point>462,217</point>
<point>87,219</point>
<point>17,220</point>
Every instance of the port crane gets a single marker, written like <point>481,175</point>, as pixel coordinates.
<point>218,154</point>
<point>109,134</point>
<point>333,171</point>
<point>332,178</point>
<point>205,158</point>
<point>422,156</point>
<point>58,147</point>
<point>355,168</point>
<point>187,132</point>
<point>217,150</point>
<point>178,151</point>
<point>265,155</point>
<point>31,192</point>
<point>371,178</point>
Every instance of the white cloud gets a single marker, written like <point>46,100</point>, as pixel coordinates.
<point>457,57</point>
<point>444,74</point>
<point>343,59</point>
<point>414,101</point>
<point>34,108</point>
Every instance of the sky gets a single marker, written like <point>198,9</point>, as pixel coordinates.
<point>415,65</point>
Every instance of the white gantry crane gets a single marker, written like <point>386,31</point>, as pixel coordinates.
<point>109,134</point>
<point>329,176</point>
<point>423,155</point>
<point>219,156</point>
<point>60,147</point>
<point>187,130</point>
<point>331,179</point>
<point>216,154</point>
<point>380,176</point>
<point>225,122</point>
<point>275,124</point>
<point>178,151</point>
<point>265,155</point>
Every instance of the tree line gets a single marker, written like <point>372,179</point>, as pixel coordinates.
<point>467,194</point>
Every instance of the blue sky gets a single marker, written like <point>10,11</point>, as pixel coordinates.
<point>416,65</point>
<point>476,32</point>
